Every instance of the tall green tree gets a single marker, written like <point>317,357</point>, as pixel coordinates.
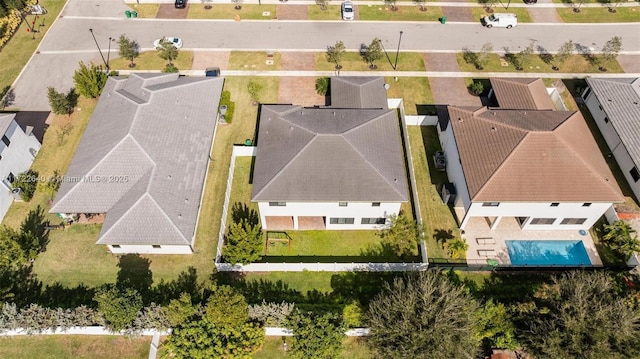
<point>204,339</point>
<point>33,237</point>
<point>180,310</point>
<point>423,315</point>
<point>621,238</point>
<point>335,54</point>
<point>27,182</point>
<point>62,104</point>
<point>244,243</point>
<point>167,51</point>
<point>90,80</point>
<point>402,236</point>
<point>371,53</point>
<point>610,52</point>
<point>128,49</point>
<point>582,315</point>
<point>564,53</point>
<point>494,327</point>
<point>118,306</point>
<point>226,307</point>
<point>254,90</point>
<point>456,247</point>
<point>11,254</point>
<point>317,336</point>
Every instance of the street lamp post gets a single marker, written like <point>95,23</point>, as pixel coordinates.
<point>109,52</point>
<point>99,50</point>
<point>398,51</point>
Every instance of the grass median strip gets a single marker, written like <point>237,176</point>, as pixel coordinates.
<point>600,14</point>
<point>150,60</point>
<point>228,11</point>
<point>575,64</point>
<point>407,61</point>
<point>402,13</point>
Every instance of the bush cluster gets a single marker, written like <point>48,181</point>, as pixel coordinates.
<point>271,314</point>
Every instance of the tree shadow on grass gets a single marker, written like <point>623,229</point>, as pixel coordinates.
<point>240,211</point>
<point>34,224</point>
<point>187,282</point>
<point>135,273</point>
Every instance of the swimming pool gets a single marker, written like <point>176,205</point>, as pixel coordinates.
<point>547,253</point>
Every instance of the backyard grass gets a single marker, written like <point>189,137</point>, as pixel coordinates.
<point>575,64</point>
<point>437,218</point>
<point>150,60</point>
<point>403,13</point>
<point>227,11</point>
<point>252,60</point>
<point>74,347</point>
<point>17,52</point>
<point>302,282</point>
<point>521,13</point>
<point>414,90</point>
<point>407,61</point>
<point>352,348</point>
<point>314,12</point>
<point>590,15</point>
<point>148,11</point>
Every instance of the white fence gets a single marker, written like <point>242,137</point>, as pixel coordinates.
<point>421,120</point>
<point>284,332</point>
<point>93,330</point>
<point>239,151</point>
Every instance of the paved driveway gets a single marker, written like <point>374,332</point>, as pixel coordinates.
<point>543,14</point>
<point>448,90</point>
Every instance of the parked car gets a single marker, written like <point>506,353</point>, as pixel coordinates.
<point>176,41</point>
<point>500,20</point>
<point>530,1</point>
<point>212,72</point>
<point>180,4</point>
<point>347,10</point>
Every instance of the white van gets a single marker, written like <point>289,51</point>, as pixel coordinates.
<point>500,20</point>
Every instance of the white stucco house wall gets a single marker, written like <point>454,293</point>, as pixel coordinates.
<point>337,167</point>
<point>615,107</point>
<point>17,152</point>
<point>143,162</point>
<point>522,168</point>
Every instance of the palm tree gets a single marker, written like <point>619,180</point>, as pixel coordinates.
<point>621,238</point>
<point>457,247</point>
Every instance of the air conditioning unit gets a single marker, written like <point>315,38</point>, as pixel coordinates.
<point>16,193</point>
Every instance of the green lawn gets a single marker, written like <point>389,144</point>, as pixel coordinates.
<point>437,218</point>
<point>252,60</point>
<point>74,347</point>
<point>150,60</point>
<point>302,282</point>
<point>589,15</point>
<point>227,11</point>
<point>352,348</point>
<point>521,13</point>
<point>403,13</point>
<point>314,12</point>
<point>414,90</point>
<point>407,61</point>
<point>145,10</point>
<point>311,246</point>
<point>575,64</point>
<point>17,52</point>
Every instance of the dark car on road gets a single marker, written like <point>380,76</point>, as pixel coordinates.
<point>181,4</point>
<point>212,72</point>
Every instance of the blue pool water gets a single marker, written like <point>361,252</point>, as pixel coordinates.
<point>547,253</point>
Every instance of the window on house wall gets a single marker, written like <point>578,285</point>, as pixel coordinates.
<point>375,204</point>
<point>341,220</point>
<point>586,204</point>
<point>156,246</point>
<point>555,204</point>
<point>373,221</point>
<point>490,204</point>
<point>342,204</point>
<point>542,221</point>
<point>115,246</point>
<point>277,204</point>
<point>586,93</point>
<point>6,141</point>
<point>573,221</point>
<point>635,174</point>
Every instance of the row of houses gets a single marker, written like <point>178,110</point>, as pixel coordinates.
<point>526,180</point>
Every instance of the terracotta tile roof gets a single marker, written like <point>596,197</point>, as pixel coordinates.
<point>518,155</point>
<point>521,94</point>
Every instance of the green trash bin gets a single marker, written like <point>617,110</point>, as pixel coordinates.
<point>127,13</point>
<point>134,14</point>
<point>443,20</point>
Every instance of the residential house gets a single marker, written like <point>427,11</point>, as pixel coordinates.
<point>524,172</point>
<point>143,160</point>
<point>615,107</point>
<point>17,152</point>
<point>336,167</point>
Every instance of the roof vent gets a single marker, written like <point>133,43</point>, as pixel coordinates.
<point>493,113</point>
<point>290,128</point>
<point>493,128</point>
<point>333,113</point>
<point>186,200</point>
<point>386,86</point>
<point>169,177</point>
<point>180,216</point>
<point>395,180</point>
<point>460,119</point>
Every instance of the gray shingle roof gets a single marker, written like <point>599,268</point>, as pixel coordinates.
<point>5,122</point>
<point>156,131</point>
<point>358,92</point>
<point>326,154</point>
<point>620,100</point>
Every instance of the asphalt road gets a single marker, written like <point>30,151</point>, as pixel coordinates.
<point>69,40</point>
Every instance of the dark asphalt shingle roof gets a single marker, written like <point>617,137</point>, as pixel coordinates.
<point>358,92</point>
<point>156,131</point>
